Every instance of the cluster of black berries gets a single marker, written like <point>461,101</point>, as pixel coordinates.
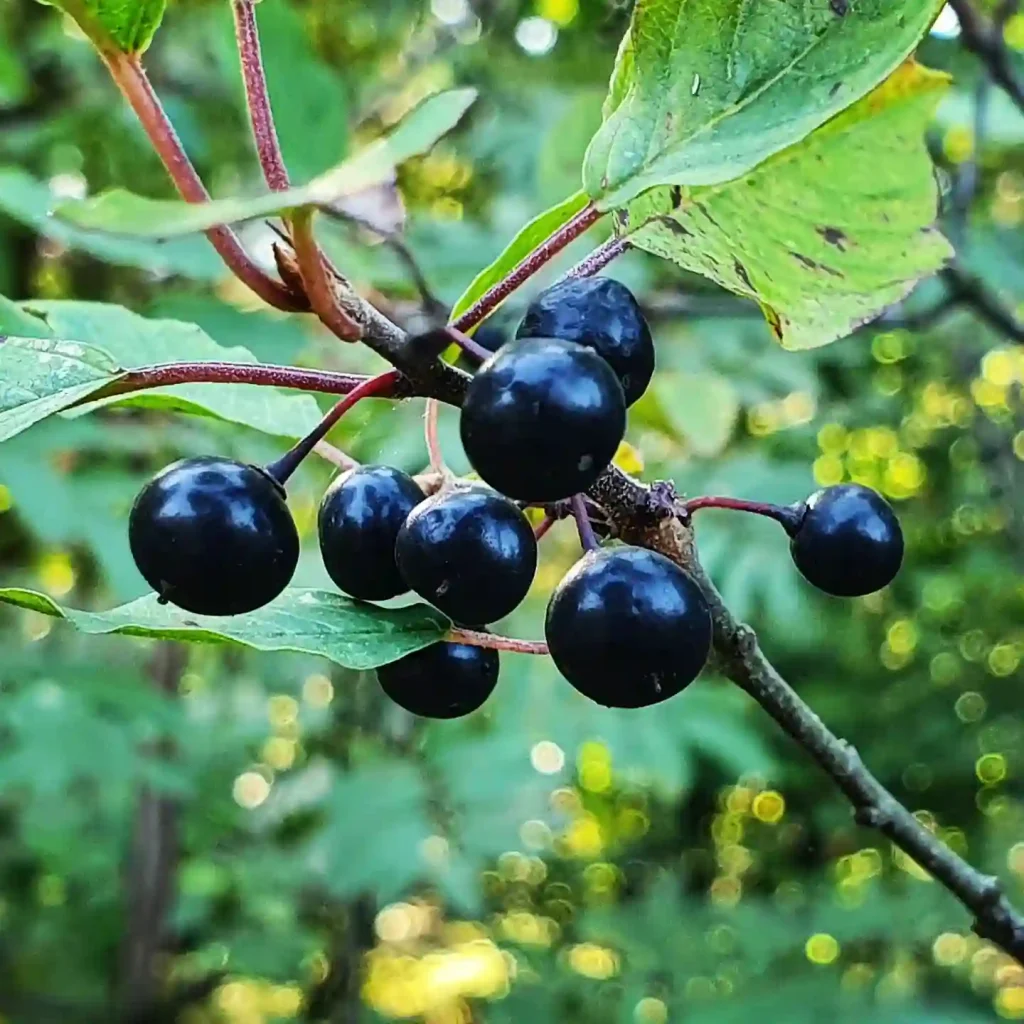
<point>541,421</point>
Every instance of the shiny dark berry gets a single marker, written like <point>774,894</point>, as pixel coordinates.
<point>214,536</point>
<point>469,552</point>
<point>603,315</point>
<point>490,336</point>
<point>628,628</point>
<point>441,681</point>
<point>360,516</point>
<point>848,541</point>
<point>542,419</point>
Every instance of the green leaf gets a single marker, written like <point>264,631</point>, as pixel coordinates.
<point>129,24</point>
<point>30,202</point>
<point>135,341</point>
<point>822,243</point>
<point>124,213</point>
<point>535,232</point>
<point>14,321</point>
<point>701,408</point>
<point>350,633</point>
<point>40,376</point>
<point>704,90</point>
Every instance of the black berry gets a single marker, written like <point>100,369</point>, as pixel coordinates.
<point>603,315</point>
<point>469,552</point>
<point>848,541</point>
<point>542,419</point>
<point>441,681</point>
<point>214,536</point>
<point>360,516</point>
<point>628,628</point>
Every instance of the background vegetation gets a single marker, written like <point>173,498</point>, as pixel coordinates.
<point>266,836</point>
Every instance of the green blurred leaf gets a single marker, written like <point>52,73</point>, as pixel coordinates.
<point>538,229</point>
<point>129,24</point>
<point>124,213</point>
<point>39,377</point>
<point>702,409</point>
<point>822,245</point>
<point>136,341</point>
<point>31,202</point>
<point>705,90</point>
<point>347,632</point>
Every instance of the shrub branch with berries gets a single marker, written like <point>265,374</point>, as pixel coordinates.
<point>636,619</point>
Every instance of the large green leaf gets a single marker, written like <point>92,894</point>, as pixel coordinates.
<point>40,376</point>
<point>825,234</point>
<point>121,212</point>
<point>135,341</point>
<point>350,633</point>
<point>536,231</point>
<point>125,25</point>
<point>704,90</point>
<point>30,202</point>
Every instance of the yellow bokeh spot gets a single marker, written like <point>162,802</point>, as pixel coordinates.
<point>970,707</point>
<point>1015,858</point>
<point>650,1011</point>
<point>828,470</point>
<point>561,12</point>
<point>1003,660</point>
<point>904,475</point>
<point>821,949</point>
<point>284,1001</point>
<point>593,961</point>
<point>317,690</point>
<point>949,949</point>
<point>547,757</point>
<point>958,143</point>
<point>726,891</point>
<point>990,768</point>
<point>1018,445</point>
<point>56,574</point>
<point>279,753</point>
<point>584,837</point>
<point>282,710</point>
<point>1009,1002</point>
<point>832,438</point>
<point>629,459</point>
<point>1013,32</point>
<point>250,790</point>
<point>902,636</point>
<point>6,501</point>
<point>739,799</point>
<point>596,777</point>
<point>768,807</point>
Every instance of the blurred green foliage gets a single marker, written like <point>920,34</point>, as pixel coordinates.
<point>266,835</point>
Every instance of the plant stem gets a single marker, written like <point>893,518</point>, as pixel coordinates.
<point>381,386</point>
<point>598,259</point>
<point>543,526</point>
<point>430,434</point>
<point>529,266</point>
<point>323,381</point>
<point>874,806</point>
<point>496,643</point>
<point>260,113</point>
<point>317,282</point>
<point>583,526</point>
<point>131,79</point>
<point>787,515</point>
<point>468,345</point>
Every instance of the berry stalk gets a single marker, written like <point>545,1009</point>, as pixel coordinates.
<point>476,638</point>
<point>526,268</point>
<point>317,281</point>
<point>788,516</point>
<point>381,385</point>
<point>598,259</point>
<point>130,77</point>
<point>583,525</point>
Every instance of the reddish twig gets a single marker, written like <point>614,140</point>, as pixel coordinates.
<point>786,515</point>
<point>317,280</point>
<point>131,79</point>
<point>261,115</point>
<point>496,643</point>
<point>381,386</point>
<point>598,259</point>
<point>549,248</point>
<point>583,525</point>
<point>544,525</point>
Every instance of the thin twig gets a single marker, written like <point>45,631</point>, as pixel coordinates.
<point>583,525</point>
<point>529,266</point>
<point>875,807</point>
<point>598,259</point>
<point>317,280</point>
<point>968,289</point>
<point>432,438</point>
<point>977,35</point>
<point>261,115</point>
<point>131,79</point>
<point>496,643</point>
<point>541,529</point>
